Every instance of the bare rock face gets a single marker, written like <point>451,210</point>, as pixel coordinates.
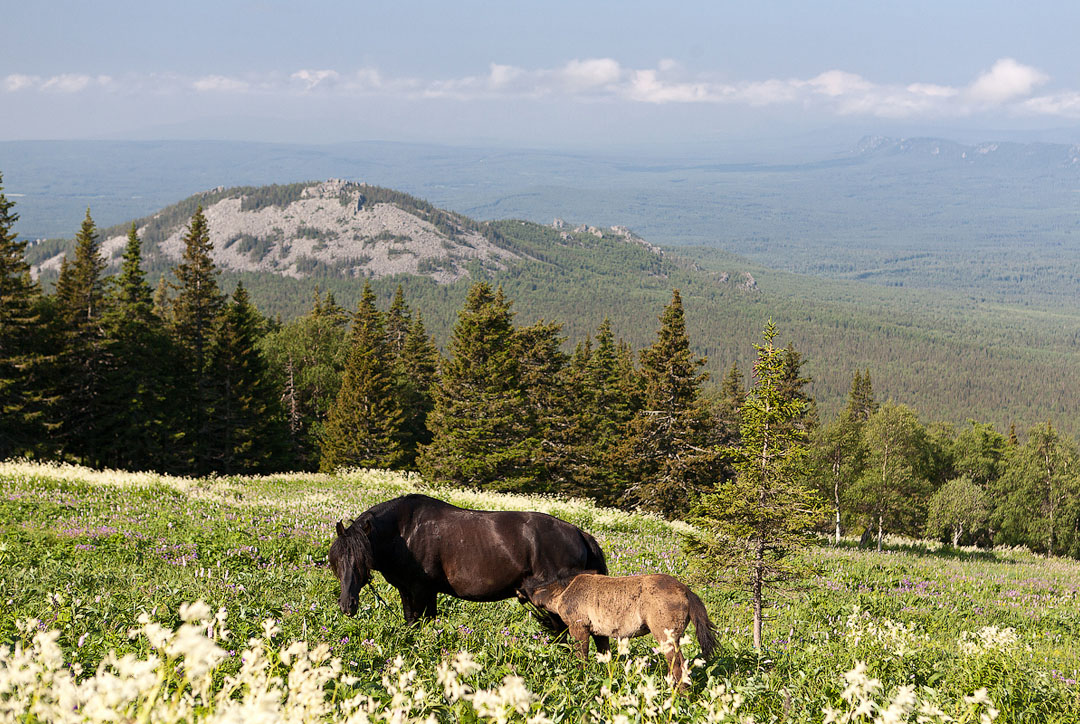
<point>331,226</point>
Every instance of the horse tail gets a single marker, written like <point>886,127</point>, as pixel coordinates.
<point>595,560</point>
<point>706,631</point>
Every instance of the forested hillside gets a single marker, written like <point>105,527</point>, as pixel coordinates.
<point>952,355</point>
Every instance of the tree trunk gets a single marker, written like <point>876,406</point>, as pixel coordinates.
<point>836,502</point>
<point>879,533</point>
<point>759,574</point>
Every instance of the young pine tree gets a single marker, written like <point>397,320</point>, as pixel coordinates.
<point>364,425</point>
<point>753,524</point>
<point>23,395</point>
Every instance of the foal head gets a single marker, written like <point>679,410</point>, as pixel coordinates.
<point>351,559</point>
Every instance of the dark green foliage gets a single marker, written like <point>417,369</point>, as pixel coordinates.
<point>480,434</point>
<point>23,344</point>
<point>364,424</point>
<point>195,313</point>
<point>280,195</point>
<point>306,357</point>
<point>1038,496</point>
<point>605,391</point>
<point>418,375</point>
<point>247,430</point>
<point>754,523</point>
<point>80,303</point>
<point>140,400</point>
<point>667,446</point>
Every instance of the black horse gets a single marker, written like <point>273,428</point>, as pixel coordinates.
<point>424,546</point>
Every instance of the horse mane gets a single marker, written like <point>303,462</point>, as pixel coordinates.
<point>353,549</point>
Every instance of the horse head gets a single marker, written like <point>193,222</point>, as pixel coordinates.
<point>351,560</point>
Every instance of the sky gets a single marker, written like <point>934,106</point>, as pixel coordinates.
<point>571,74</point>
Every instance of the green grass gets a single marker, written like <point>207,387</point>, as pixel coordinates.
<point>86,553</point>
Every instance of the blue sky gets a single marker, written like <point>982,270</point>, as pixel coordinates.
<point>556,73</point>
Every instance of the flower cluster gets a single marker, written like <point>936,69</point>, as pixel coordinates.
<point>895,638</point>
<point>988,639</point>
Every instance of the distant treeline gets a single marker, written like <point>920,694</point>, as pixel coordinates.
<point>185,379</point>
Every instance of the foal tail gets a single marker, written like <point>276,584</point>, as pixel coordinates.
<point>706,631</point>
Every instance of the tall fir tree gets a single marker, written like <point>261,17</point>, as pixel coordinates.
<point>603,403</point>
<point>247,428</point>
<point>195,312</point>
<point>754,523</point>
<point>418,374</point>
<point>140,397</point>
<point>480,434</point>
<point>364,425</point>
<point>667,446</point>
<point>547,401</point>
<point>398,321</point>
<point>80,302</point>
<point>24,351</point>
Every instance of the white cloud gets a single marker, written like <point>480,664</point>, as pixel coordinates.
<point>1007,87</point>
<point>1007,80</point>
<point>312,78</point>
<point>220,84</point>
<point>583,75</point>
<point>17,82</point>
<point>835,83</point>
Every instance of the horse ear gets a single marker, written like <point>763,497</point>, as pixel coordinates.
<point>340,529</point>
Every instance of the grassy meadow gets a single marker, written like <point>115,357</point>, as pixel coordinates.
<point>98,571</point>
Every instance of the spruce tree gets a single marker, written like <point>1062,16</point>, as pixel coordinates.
<point>398,321</point>
<point>480,436</point>
<point>729,406</point>
<point>24,394</point>
<point>667,444</point>
<point>140,396</point>
<point>195,312</point>
<point>418,372</point>
<point>603,403</point>
<point>80,301</point>
<point>364,425</point>
<point>547,408</point>
<point>245,421</point>
<point>753,524</point>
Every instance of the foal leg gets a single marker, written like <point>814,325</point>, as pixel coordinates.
<point>603,644</point>
<point>669,644</point>
<point>581,635</point>
<point>430,605</point>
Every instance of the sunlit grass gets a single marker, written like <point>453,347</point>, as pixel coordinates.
<point>86,554</point>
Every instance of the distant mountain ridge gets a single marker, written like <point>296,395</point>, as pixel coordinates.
<point>1011,154</point>
<point>330,228</point>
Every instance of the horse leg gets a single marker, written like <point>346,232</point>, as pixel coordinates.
<point>410,607</point>
<point>581,635</point>
<point>430,605</point>
<point>603,644</point>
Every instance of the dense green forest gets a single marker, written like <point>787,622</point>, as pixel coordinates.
<point>953,355</point>
<point>186,378</point>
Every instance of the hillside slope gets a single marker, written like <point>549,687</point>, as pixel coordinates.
<point>952,356</point>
